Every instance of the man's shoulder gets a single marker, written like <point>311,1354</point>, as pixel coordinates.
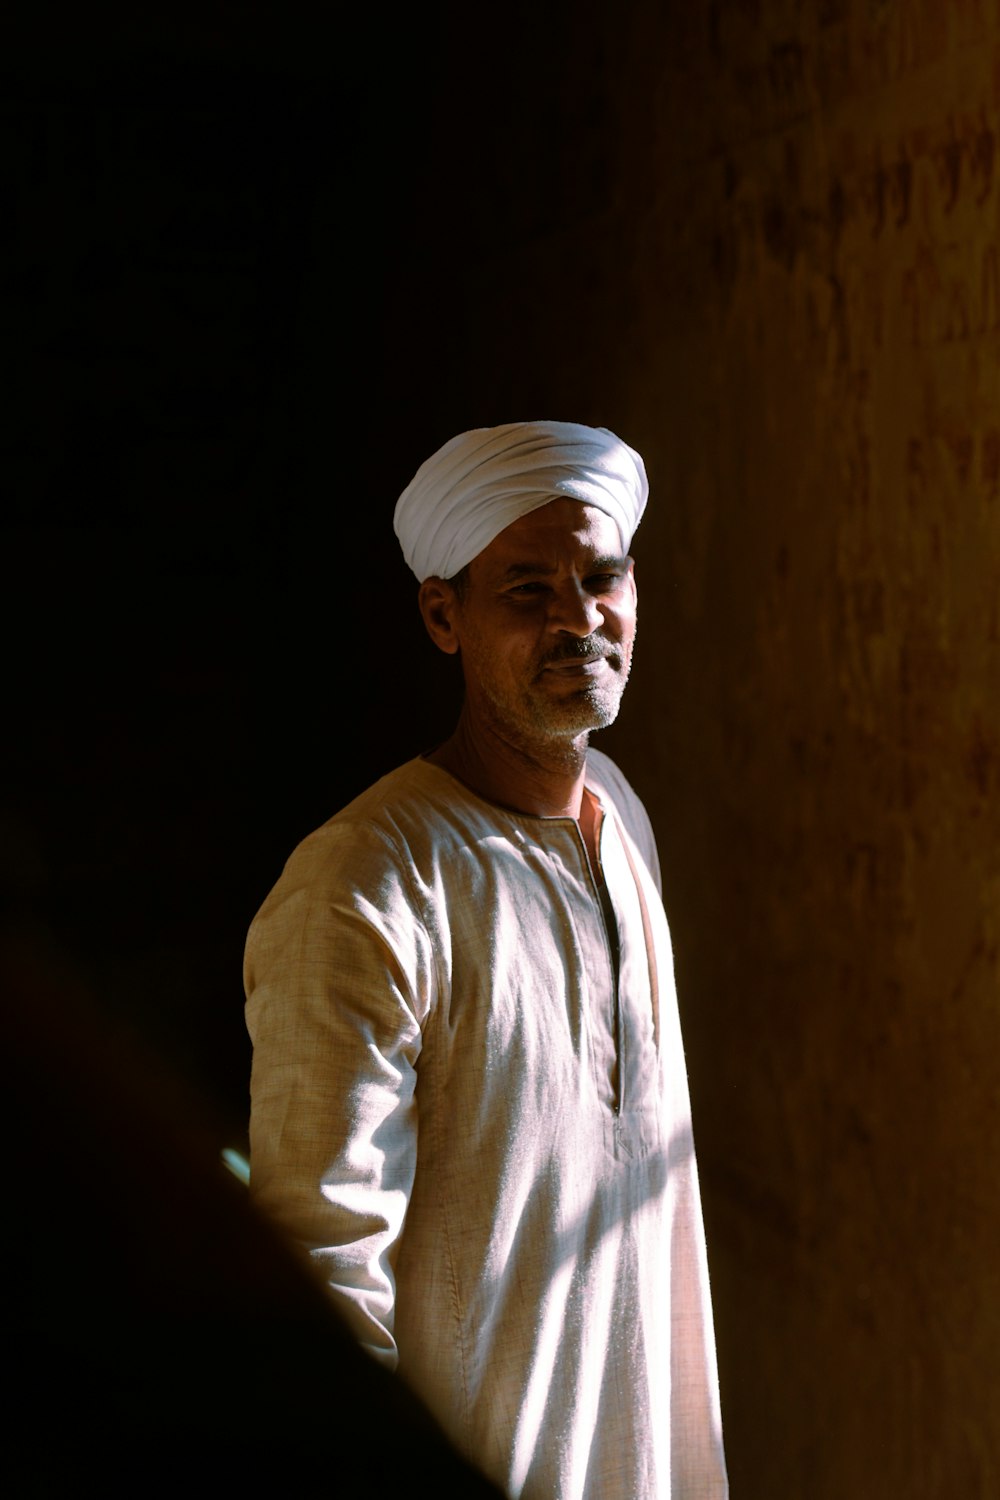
<point>411,810</point>
<point>405,784</point>
<point>374,840</point>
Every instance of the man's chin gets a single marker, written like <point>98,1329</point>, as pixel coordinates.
<point>580,717</point>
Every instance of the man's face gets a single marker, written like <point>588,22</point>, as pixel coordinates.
<point>546,625</point>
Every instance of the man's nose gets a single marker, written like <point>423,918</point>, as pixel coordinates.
<point>574,611</point>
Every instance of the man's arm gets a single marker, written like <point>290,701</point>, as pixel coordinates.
<point>337,979</point>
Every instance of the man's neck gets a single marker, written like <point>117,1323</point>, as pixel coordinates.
<point>544,778</point>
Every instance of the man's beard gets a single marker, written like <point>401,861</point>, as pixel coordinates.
<point>593,704</point>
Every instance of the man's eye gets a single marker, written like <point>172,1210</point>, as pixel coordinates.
<point>523,590</point>
<point>604,583</point>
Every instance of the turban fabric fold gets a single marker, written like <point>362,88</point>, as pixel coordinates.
<point>474,486</point>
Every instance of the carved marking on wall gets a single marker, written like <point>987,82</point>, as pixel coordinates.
<point>990,289</point>
<point>982,151</point>
<point>947,159</point>
<point>989,463</point>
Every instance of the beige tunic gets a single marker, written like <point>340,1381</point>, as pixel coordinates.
<point>469,1100</point>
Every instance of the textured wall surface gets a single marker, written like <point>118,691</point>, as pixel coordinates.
<point>827,439</point>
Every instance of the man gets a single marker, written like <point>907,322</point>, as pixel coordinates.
<point>469,1098</point>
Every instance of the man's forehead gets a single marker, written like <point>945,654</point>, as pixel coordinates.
<point>560,522</point>
<point>562,533</point>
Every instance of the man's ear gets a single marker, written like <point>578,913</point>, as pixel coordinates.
<point>439,607</point>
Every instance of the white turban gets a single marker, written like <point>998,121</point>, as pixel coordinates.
<point>467,492</point>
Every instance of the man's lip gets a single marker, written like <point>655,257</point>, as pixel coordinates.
<point>574,663</point>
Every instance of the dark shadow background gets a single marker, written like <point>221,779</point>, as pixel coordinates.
<point>211,637</point>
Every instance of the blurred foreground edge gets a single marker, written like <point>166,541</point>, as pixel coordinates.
<point>160,1330</point>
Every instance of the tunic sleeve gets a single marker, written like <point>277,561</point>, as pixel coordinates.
<point>337,978</point>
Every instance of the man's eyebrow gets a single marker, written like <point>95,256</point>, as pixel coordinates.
<point>612,563</point>
<point>513,571</point>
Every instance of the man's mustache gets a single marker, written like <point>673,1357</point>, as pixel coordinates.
<point>590,648</point>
